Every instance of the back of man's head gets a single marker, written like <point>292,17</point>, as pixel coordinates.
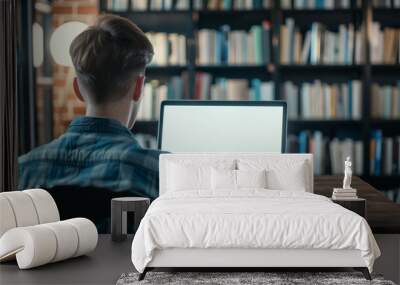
<point>108,56</point>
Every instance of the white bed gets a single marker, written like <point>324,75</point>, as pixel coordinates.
<point>247,210</point>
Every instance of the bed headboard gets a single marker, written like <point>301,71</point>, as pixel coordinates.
<point>272,158</point>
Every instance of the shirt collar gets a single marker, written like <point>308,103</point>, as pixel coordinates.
<point>98,125</point>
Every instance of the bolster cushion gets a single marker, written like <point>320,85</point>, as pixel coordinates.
<point>40,244</point>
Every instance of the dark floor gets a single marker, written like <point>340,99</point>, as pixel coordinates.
<point>102,266</point>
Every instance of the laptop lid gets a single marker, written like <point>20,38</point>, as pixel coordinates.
<point>222,126</point>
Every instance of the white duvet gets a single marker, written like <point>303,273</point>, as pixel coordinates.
<point>250,219</point>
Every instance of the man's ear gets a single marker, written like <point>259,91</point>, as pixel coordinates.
<point>138,88</point>
<point>77,91</point>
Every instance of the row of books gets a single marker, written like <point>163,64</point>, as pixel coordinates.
<point>235,47</point>
<point>156,91</point>
<point>318,4</point>
<point>143,5</point>
<point>205,89</point>
<point>170,49</point>
<point>384,154</point>
<point>146,5</point>
<point>386,3</point>
<point>384,44</point>
<point>218,5</point>
<point>320,100</point>
<point>319,45</point>
<point>328,154</point>
<point>168,5</point>
<point>385,101</point>
<point>232,89</point>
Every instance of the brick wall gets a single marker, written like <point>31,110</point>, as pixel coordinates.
<point>66,105</point>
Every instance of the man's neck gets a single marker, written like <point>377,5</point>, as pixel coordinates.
<point>110,111</point>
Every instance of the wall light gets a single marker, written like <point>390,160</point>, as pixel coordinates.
<point>37,44</point>
<point>61,40</point>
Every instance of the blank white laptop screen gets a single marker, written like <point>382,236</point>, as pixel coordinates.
<point>215,126</point>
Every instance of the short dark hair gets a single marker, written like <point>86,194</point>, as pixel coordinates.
<point>107,55</point>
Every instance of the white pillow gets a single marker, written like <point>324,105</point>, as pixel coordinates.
<point>223,179</point>
<point>282,174</point>
<point>183,178</point>
<point>295,180</point>
<point>251,178</point>
<point>237,179</point>
<point>183,175</point>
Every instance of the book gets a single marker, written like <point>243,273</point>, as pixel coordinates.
<point>387,156</point>
<point>139,5</point>
<point>376,152</point>
<point>319,100</point>
<point>318,152</point>
<point>384,154</point>
<point>305,52</point>
<point>291,96</point>
<point>267,42</point>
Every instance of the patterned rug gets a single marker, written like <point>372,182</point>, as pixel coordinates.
<point>243,278</point>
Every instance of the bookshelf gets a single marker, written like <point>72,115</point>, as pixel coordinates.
<point>359,13</point>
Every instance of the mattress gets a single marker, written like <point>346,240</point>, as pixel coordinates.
<point>250,219</point>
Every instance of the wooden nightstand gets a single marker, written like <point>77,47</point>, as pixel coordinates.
<point>356,205</point>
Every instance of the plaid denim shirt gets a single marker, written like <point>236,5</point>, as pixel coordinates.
<point>94,152</point>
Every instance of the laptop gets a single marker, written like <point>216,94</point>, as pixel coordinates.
<point>222,126</point>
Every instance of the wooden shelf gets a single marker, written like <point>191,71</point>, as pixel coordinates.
<point>242,67</point>
<point>330,67</point>
<point>304,72</point>
<point>385,73</point>
<point>390,127</point>
<point>387,17</point>
<point>165,71</point>
<point>236,71</point>
<point>338,12</point>
<point>215,19</point>
<point>148,12</point>
<point>161,21</point>
<point>386,122</point>
<point>330,125</point>
<point>383,68</point>
<point>326,122</point>
<point>227,13</point>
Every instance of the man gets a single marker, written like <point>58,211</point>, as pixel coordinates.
<point>98,150</point>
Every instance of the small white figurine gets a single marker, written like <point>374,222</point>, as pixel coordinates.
<point>347,174</point>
